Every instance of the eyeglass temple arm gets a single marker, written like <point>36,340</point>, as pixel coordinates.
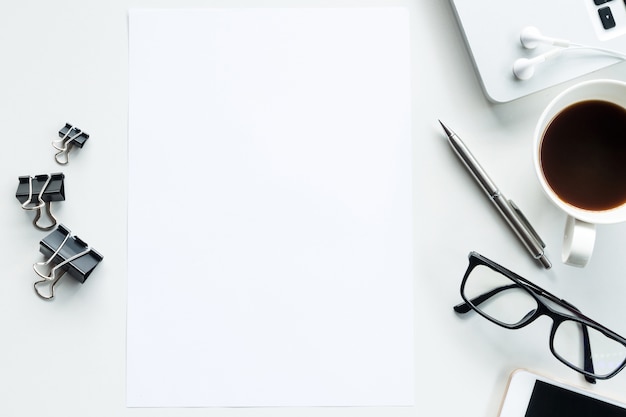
<point>588,360</point>
<point>464,307</point>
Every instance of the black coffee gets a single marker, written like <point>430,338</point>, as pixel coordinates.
<point>583,155</point>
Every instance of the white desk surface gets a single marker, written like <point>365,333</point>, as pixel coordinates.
<point>67,62</point>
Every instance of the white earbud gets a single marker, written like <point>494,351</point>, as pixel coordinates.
<point>524,68</point>
<point>531,37</point>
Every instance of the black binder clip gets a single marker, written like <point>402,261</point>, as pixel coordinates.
<point>36,192</point>
<point>66,253</point>
<point>70,136</point>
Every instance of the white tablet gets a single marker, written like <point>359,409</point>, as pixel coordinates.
<point>532,395</point>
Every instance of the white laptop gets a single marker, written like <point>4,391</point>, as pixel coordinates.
<point>492,28</point>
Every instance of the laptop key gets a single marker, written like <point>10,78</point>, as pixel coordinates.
<point>606,17</point>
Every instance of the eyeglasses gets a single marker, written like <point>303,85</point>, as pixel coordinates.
<point>505,298</point>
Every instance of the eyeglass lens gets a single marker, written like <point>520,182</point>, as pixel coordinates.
<point>607,354</point>
<point>503,301</point>
<point>508,303</point>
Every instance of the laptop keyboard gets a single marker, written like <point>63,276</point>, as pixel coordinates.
<point>609,17</point>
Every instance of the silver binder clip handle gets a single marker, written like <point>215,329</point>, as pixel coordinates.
<point>53,220</point>
<point>40,204</point>
<point>63,156</point>
<point>51,284</point>
<point>55,273</point>
<point>64,145</point>
<point>51,277</point>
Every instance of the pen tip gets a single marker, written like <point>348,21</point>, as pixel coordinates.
<point>445,128</point>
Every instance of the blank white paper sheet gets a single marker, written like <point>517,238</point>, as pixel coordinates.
<point>270,234</point>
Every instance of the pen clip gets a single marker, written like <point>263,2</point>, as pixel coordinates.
<point>526,223</point>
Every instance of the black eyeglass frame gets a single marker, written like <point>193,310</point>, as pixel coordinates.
<point>476,259</point>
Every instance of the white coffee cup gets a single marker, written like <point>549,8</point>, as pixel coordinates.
<point>575,161</point>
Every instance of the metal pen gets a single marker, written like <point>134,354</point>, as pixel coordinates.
<point>511,213</point>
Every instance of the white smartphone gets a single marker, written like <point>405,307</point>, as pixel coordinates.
<point>532,395</point>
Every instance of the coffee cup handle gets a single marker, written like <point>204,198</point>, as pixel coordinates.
<point>578,242</point>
